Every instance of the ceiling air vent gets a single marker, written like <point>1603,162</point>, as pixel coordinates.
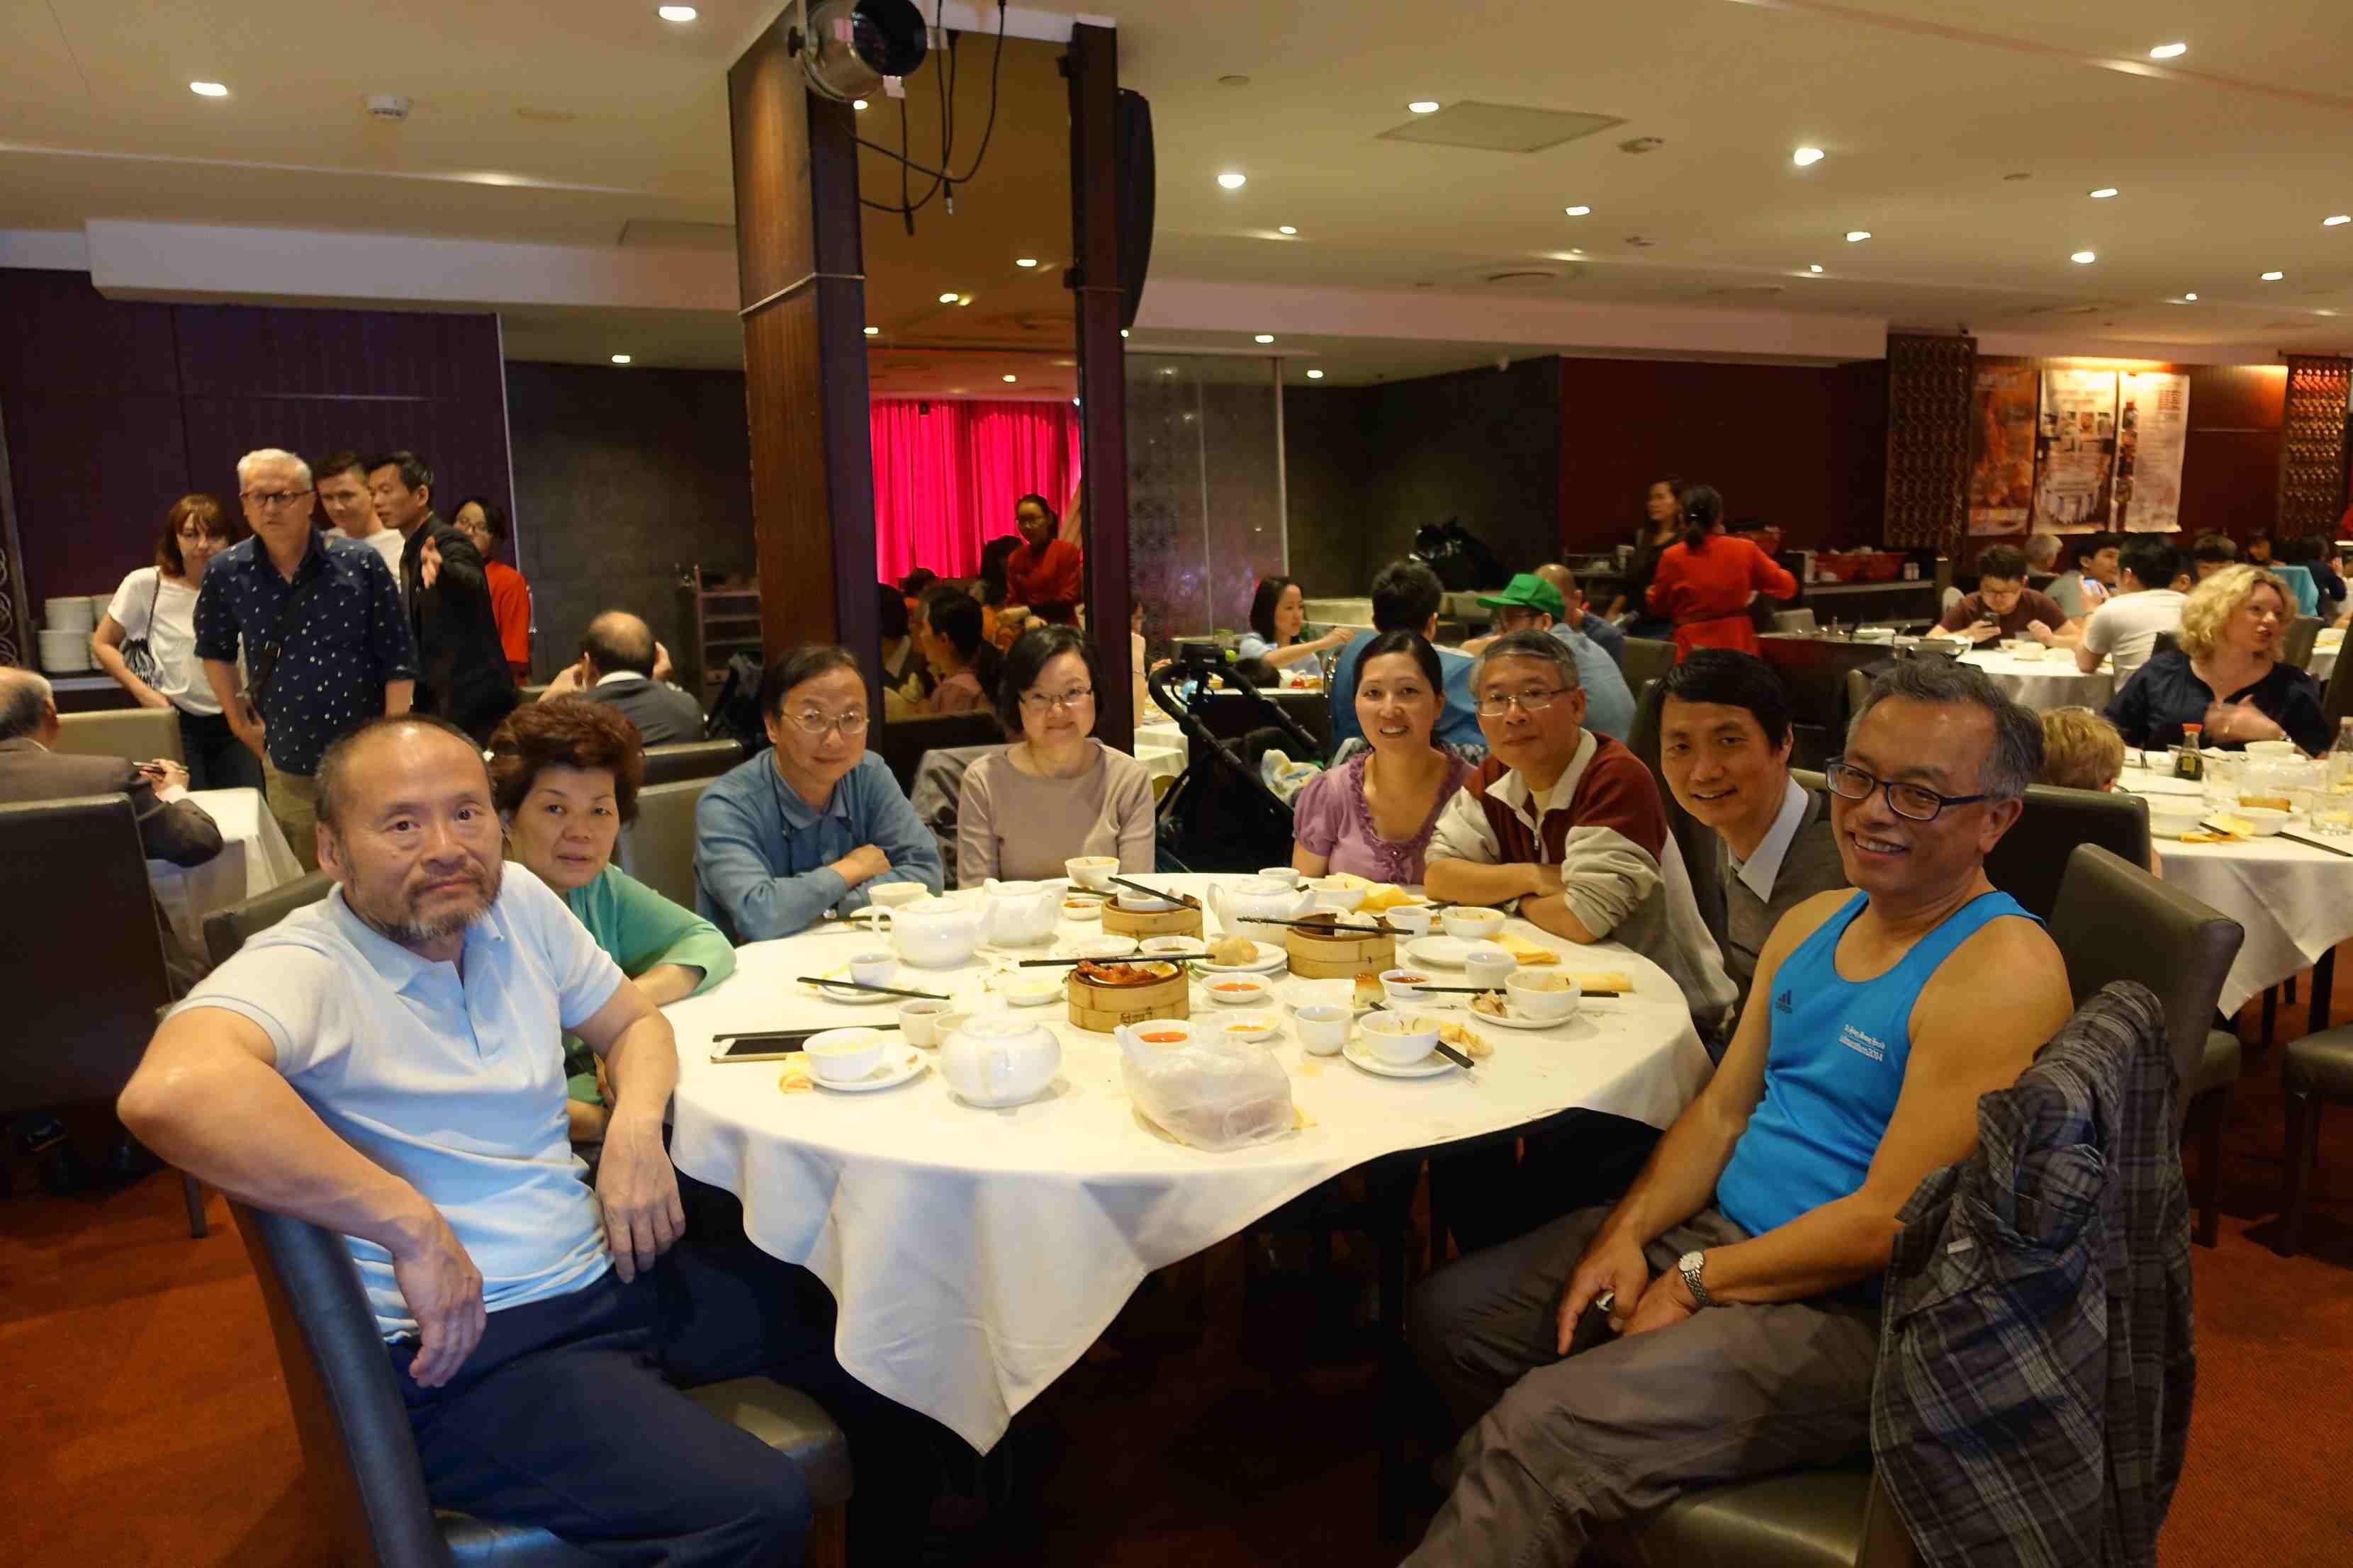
<point>1500,127</point>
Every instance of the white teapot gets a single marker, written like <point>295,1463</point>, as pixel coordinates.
<point>998,1059</point>
<point>1021,914</point>
<point>1259,897</point>
<point>935,934</point>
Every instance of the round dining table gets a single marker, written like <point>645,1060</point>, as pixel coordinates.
<point>974,1254</point>
<point>2295,899</point>
<point>2048,682</point>
<point>254,859</point>
<point>2323,662</point>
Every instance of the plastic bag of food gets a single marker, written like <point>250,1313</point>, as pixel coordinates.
<point>1283,776</point>
<point>1211,1092</point>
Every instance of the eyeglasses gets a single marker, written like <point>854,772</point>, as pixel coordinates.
<point>270,501</point>
<point>1912,801</point>
<point>816,723</point>
<point>1039,702</point>
<point>1496,706</point>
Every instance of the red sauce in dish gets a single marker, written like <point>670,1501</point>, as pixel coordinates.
<point>1232,985</point>
<point>1166,1038</point>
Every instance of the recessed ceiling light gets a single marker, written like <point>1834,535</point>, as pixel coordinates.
<point>949,298</point>
<point>1025,261</point>
<point>873,332</point>
<point>2083,257</point>
<point>675,13</point>
<point>2169,51</point>
<point>1806,156</point>
<point>857,103</point>
<point>1856,235</point>
<point>1424,106</point>
<point>1577,212</point>
<point>1170,370</point>
<point>1286,228</point>
<point>208,90</point>
<point>1013,378</point>
<point>2104,193</point>
<point>2273,277</point>
<point>1314,375</point>
<point>1816,266</point>
<point>2192,297</point>
<point>1264,338</point>
<point>1233,180</point>
<point>1123,331</point>
<point>2334,222</point>
<point>620,358</point>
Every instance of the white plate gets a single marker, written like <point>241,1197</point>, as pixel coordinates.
<point>1428,1066</point>
<point>1268,957</point>
<point>1441,951</point>
<point>1264,1024</point>
<point>1330,993</point>
<point>1104,946</point>
<point>894,1070</point>
<point>1475,1018</point>
<point>853,998</point>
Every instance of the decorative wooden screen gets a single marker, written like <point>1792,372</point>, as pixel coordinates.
<point>1927,440</point>
<point>2312,453</point>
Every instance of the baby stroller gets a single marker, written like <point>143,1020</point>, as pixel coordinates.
<point>1220,815</point>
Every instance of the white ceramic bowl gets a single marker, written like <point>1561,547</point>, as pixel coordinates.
<point>1092,870</point>
<point>1332,895</point>
<point>1411,919</point>
<point>1082,907</point>
<point>873,968</point>
<point>1177,946</point>
<point>1472,924</point>
<point>1181,1028</point>
<point>1030,987</point>
<point>2028,652</point>
<point>1287,876</point>
<point>1138,903</point>
<point>1322,1028</point>
<point>1528,993</point>
<point>1402,986</point>
<point>2271,748</point>
<point>1248,1026</point>
<point>1487,967</point>
<point>1238,989</point>
<point>2172,815</point>
<point>891,895</point>
<point>845,1056</point>
<point>1398,1039</point>
<point>2264,819</point>
<point>926,1023</point>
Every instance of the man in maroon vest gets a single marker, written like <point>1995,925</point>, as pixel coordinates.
<point>1568,822</point>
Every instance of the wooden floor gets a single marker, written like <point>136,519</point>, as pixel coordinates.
<point>150,1424</point>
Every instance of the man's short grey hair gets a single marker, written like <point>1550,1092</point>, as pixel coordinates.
<point>252,460</point>
<point>1528,643</point>
<point>2043,549</point>
<point>2015,758</point>
<point>24,694</point>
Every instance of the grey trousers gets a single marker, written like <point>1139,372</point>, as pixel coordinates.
<point>1557,1448</point>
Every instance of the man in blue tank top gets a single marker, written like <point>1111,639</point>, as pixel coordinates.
<point>1744,1263</point>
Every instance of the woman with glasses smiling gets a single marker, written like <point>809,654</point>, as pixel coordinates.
<point>1056,793</point>
<point>807,827</point>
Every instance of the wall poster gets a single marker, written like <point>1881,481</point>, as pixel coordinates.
<point>2076,448</point>
<point>2152,432</point>
<point>2001,445</point>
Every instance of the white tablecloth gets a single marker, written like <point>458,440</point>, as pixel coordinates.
<point>254,859</point>
<point>2297,902</point>
<point>2323,662</point>
<point>2051,682</point>
<point>976,1254</point>
<point>1160,747</point>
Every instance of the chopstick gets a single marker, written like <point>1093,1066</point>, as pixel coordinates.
<point>2313,844</point>
<point>788,1034</point>
<point>1309,925</point>
<point>1484,989</point>
<point>821,982</point>
<point>1130,958</point>
<point>1187,900</point>
<point>1452,1054</point>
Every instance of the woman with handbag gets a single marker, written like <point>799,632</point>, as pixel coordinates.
<point>147,641</point>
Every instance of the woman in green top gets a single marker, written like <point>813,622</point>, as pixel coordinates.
<point>564,775</point>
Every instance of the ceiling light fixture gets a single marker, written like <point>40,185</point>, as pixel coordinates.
<point>208,90</point>
<point>1286,228</point>
<point>1815,268</point>
<point>2273,277</point>
<point>2083,257</point>
<point>1123,331</point>
<point>1169,370</point>
<point>873,332</point>
<point>675,13</point>
<point>1232,180</point>
<point>1423,106</point>
<point>1314,375</point>
<point>2104,193</point>
<point>949,298</point>
<point>1013,378</point>
<point>2169,51</point>
<point>2192,297</point>
<point>620,358</point>
<point>2334,222</point>
<point>1857,236</point>
<point>1806,157</point>
<point>1578,212</point>
<point>857,103</point>
<point>1025,261</point>
<point>1264,338</point>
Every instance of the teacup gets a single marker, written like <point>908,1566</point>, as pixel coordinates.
<point>1094,871</point>
<point>926,1023</point>
<point>1322,1028</point>
<point>1408,919</point>
<point>844,1055</point>
<point>1282,874</point>
<point>873,968</point>
<point>1486,967</point>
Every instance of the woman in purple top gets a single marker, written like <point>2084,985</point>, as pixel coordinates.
<point>1374,815</point>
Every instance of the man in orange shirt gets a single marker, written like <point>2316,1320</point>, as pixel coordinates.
<point>1044,574</point>
<point>485,522</point>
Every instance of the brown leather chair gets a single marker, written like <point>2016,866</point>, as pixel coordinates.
<point>81,956</point>
<point>2113,920</point>
<point>2314,1072</point>
<point>658,849</point>
<point>2033,856</point>
<point>2295,643</point>
<point>1837,1517</point>
<point>360,1461</point>
<point>1647,659</point>
<point>902,742</point>
<point>2337,697</point>
<point>691,760</point>
<point>137,733</point>
<point>227,929</point>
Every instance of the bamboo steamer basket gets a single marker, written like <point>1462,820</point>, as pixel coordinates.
<point>1101,1008</point>
<point>1178,922</point>
<point>1341,957</point>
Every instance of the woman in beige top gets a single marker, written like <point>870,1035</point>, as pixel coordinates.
<point>1057,792</point>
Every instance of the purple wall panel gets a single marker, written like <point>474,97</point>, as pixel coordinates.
<point>93,477</point>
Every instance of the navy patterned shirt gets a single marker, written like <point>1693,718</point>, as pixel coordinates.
<point>341,646</point>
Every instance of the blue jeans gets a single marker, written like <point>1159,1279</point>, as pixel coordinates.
<point>216,758</point>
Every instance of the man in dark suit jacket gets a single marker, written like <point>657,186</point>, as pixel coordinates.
<point>618,655</point>
<point>462,673</point>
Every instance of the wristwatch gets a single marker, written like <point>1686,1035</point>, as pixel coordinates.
<point>1689,1265</point>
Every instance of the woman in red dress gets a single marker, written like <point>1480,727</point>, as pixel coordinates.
<point>1706,582</point>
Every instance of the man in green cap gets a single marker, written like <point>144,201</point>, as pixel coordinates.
<point>1531,604</point>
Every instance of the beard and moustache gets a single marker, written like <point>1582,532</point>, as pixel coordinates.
<point>404,926</point>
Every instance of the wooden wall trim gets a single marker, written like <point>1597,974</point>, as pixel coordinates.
<point>1929,440</point>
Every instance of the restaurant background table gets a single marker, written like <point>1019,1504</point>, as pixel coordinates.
<point>2042,684</point>
<point>254,859</point>
<point>975,1255</point>
<point>2296,901</point>
<point>2323,662</point>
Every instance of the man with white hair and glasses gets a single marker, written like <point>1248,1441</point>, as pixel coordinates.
<point>1721,1320</point>
<point>325,641</point>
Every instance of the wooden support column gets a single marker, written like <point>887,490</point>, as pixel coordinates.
<point>1093,68</point>
<point>802,272</point>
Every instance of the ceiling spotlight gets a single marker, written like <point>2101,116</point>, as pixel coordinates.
<point>1816,266</point>
<point>1264,338</point>
<point>857,103</point>
<point>208,90</point>
<point>1232,181</point>
<point>1123,331</point>
<point>1286,228</point>
<point>1577,212</point>
<point>1805,157</point>
<point>2169,51</point>
<point>1856,235</point>
<point>1013,378</point>
<point>1423,106</point>
<point>2083,257</point>
<point>1314,375</point>
<point>2192,297</point>
<point>949,298</point>
<point>1025,261</point>
<point>873,332</point>
<point>1168,369</point>
<point>2104,193</point>
<point>620,358</point>
<point>675,13</point>
<point>2334,222</point>
<point>2273,277</point>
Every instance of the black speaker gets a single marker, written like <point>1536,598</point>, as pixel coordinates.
<point>1137,192</point>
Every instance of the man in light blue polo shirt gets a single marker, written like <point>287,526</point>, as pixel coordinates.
<point>811,824</point>
<point>388,1062</point>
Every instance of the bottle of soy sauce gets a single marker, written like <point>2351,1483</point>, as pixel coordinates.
<point>2190,763</point>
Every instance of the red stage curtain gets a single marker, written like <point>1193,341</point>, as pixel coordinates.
<point>946,473</point>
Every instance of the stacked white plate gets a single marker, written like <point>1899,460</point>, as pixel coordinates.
<point>73,614</point>
<point>64,652</point>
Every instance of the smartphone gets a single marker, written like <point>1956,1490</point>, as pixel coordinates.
<point>771,1046</point>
